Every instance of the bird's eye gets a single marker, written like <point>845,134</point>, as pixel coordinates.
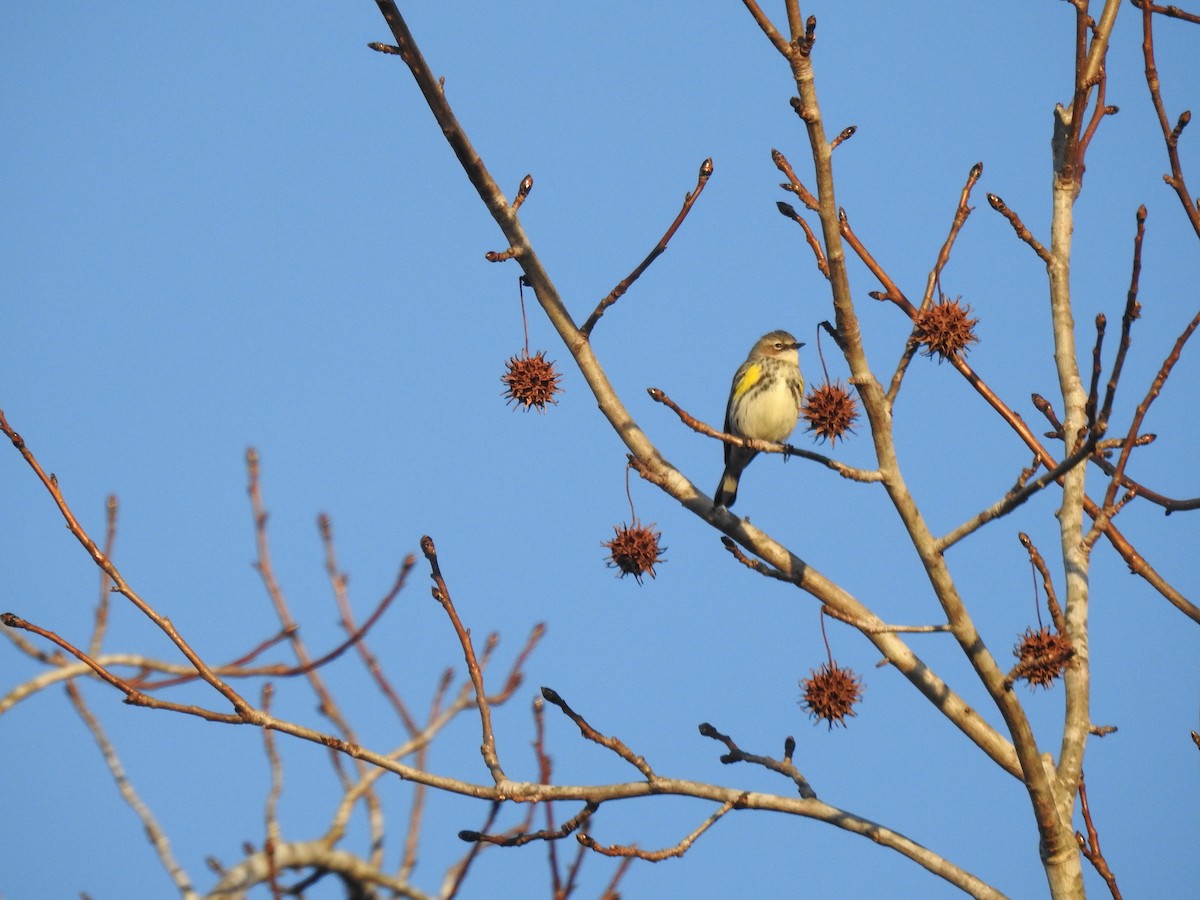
<point>779,345</point>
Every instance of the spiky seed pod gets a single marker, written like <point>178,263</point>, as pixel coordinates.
<point>830,411</point>
<point>1043,656</point>
<point>946,328</point>
<point>635,550</point>
<point>830,693</point>
<point>531,381</point>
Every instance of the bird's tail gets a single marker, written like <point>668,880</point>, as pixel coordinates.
<point>727,490</point>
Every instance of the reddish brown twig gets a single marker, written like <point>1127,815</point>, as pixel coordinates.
<point>706,170</point>
<point>961,212</point>
<point>337,580</point>
<point>789,211</point>
<point>133,696</point>
<point>893,292</point>
<point>1052,604</point>
<point>266,570</point>
<point>1090,847</point>
<point>1019,227</point>
<point>610,890</point>
<point>1172,12</point>
<point>1170,134</point>
<point>844,135</point>
<point>615,744</point>
<point>657,855</point>
<point>119,583</point>
<point>793,184</point>
<point>1142,408</point>
<point>442,595</point>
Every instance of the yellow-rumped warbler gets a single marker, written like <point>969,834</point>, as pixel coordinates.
<point>764,404</point>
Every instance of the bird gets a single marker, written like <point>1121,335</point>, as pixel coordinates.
<point>764,404</point>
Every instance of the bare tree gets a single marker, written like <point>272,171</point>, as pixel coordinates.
<point>1082,436</point>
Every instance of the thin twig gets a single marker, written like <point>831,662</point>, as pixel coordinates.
<point>1019,227</point>
<point>158,838</point>
<point>756,565</point>
<point>460,871</point>
<point>615,744</point>
<point>570,826</point>
<point>271,813</point>
<point>695,424</point>
<point>442,595</point>
<point>1090,847</point>
<point>119,584</point>
<point>1020,493</point>
<point>266,570</point>
<point>657,855</point>
<point>706,170</point>
<point>783,766</point>
<point>789,211</point>
<point>102,605</point>
<point>1052,604</point>
<point>794,185</point>
<point>1170,134</point>
<point>777,40</point>
<point>882,627</point>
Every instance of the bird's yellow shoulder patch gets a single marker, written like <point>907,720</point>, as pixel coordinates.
<point>748,380</point>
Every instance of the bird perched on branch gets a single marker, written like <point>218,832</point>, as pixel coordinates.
<point>764,404</point>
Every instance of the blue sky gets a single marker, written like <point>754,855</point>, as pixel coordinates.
<point>227,227</point>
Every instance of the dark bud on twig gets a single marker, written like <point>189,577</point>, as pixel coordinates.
<point>787,209</point>
<point>845,135</point>
<point>384,48</point>
<point>1184,118</point>
<point>810,36</point>
<point>706,169</point>
<point>789,747</point>
<point>523,192</point>
<point>976,171</point>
